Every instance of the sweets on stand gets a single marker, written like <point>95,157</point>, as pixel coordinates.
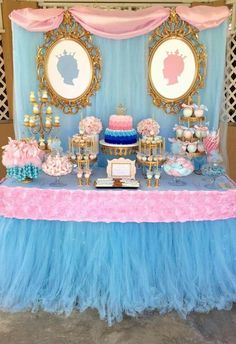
<point>56,165</point>
<point>211,142</point>
<point>199,110</point>
<point>213,169</point>
<point>178,166</point>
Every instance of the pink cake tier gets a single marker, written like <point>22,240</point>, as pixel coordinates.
<point>117,122</point>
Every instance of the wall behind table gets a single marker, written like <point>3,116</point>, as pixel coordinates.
<point>6,129</point>
<point>231,146</point>
<point>124,80</point>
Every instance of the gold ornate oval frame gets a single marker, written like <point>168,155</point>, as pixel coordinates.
<point>69,30</point>
<point>175,28</point>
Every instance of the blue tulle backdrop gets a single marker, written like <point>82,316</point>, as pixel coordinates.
<point>124,80</point>
<point>117,268</point>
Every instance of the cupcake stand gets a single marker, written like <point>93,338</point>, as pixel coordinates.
<point>192,146</point>
<point>83,155</point>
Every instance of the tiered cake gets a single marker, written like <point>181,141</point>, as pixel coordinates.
<point>120,129</point>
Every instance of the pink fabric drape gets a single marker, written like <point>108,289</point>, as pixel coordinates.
<point>203,17</point>
<point>41,20</point>
<point>117,24</point>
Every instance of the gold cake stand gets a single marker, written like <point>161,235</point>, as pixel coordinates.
<point>118,150</point>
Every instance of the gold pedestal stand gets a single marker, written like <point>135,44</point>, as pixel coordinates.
<point>118,150</point>
<point>151,154</point>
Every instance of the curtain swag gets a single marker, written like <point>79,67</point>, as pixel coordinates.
<point>118,24</point>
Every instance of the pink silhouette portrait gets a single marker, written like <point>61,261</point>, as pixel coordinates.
<point>173,67</point>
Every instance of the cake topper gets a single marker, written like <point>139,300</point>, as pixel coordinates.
<point>121,110</point>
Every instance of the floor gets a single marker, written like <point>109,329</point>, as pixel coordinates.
<point>217,327</point>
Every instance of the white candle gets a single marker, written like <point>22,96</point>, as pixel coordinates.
<point>26,119</point>
<point>44,95</point>
<point>49,110</point>
<point>48,122</point>
<point>36,109</point>
<point>32,121</point>
<point>32,97</point>
<point>57,119</point>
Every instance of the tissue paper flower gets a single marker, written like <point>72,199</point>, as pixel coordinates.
<point>18,153</point>
<point>91,125</point>
<point>148,127</point>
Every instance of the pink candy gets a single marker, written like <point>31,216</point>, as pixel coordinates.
<point>178,167</point>
<point>211,142</point>
<point>57,165</point>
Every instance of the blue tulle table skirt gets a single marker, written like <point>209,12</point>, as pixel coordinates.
<point>117,268</point>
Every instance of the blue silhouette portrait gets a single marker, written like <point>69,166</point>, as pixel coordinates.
<point>68,68</point>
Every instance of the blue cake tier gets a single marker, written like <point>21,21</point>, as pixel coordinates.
<point>120,137</point>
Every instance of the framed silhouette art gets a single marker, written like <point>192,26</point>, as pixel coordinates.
<point>69,66</point>
<point>177,64</point>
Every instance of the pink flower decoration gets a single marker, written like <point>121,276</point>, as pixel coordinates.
<point>148,127</point>
<point>91,125</point>
<point>21,152</point>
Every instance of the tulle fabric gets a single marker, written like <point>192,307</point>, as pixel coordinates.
<point>117,268</point>
<point>124,80</point>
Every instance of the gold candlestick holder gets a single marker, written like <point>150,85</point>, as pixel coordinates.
<point>41,121</point>
<point>80,183</point>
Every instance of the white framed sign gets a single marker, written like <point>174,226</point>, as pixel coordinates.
<point>121,168</point>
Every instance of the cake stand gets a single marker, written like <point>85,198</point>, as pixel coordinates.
<point>118,150</point>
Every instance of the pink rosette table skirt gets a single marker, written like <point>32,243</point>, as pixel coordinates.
<point>91,205</point>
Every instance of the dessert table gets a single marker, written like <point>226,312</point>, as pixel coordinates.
<point>118,251</point>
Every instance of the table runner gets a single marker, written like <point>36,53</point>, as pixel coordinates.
<point>193,202</point>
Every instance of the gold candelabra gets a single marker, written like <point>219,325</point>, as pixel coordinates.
<point>41,121</point>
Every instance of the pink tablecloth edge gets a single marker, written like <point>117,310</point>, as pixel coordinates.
<point>160,206</point>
